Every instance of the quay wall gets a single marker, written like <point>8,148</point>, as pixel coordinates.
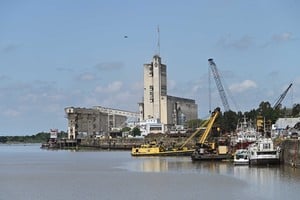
<point>290,152</point>
<point>128,143</point>
<point>115,143</point>
<point>119,143</point>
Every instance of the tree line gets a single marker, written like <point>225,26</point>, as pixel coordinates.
<point>227,121</point>
<point>37,138</point>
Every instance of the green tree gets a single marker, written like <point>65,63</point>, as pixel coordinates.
<point>136,131</point>
<point>229,121</point>
<point>296,110</point>
<point>194,123</point>
<point>126,129</point>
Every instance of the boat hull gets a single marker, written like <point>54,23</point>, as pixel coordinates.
<point>163,153</point>
<point>241,162</point>
<point>264,161</point>
<point>210,157</point>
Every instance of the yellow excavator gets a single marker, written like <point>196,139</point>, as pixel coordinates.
<point>206,150</point>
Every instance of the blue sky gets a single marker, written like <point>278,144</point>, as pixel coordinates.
<point>60,53</point>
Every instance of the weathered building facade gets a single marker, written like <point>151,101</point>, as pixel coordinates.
<point>85,122</point>
<point>157,104</point>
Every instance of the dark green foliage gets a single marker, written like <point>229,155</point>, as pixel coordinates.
<point>195,123</point>
<point>37,138</point>
<point>136,131</point>
<point>126,129</point>
<point>296,110</point>
<point>228,121</point>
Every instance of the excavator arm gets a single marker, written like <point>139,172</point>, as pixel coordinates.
<point>195,133</point>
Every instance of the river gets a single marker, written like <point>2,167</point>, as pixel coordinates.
<point>30,173</point>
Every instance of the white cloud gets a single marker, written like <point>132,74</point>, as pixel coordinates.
<point>86,77</point>
<point>53,108</point>
<point>30,98</point>
<point>89,101</point>
<point>11,113</point>
<point>137,86</point>
<point>243,86</point>
<point>242,43</point>
<point>171,84</point>
<point>279,38</point>
<point>286,36</point>
<point>109,66</point>
<point>110,88</point>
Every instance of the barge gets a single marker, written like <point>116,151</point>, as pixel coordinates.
<point>152,149</point>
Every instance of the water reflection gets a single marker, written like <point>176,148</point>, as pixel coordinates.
<point>261,175</point>
<point>178,164</point>
<point>153,165</point>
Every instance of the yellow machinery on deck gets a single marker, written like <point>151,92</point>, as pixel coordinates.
<point>207,150</point>
<point>154,149</point>
<point>203,149</point>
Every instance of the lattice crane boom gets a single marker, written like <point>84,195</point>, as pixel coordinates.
<point>217,78</point>
<point>282,96</point>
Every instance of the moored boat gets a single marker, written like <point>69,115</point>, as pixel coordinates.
<point>263,152</point>
<point>211,150</point>
<point>202,155</point>
<point>241,157</point>
<point>246,134</point>
<point>153,149</point>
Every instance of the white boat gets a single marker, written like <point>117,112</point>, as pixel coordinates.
<point>245,134</point>
<point>241,157</point>
<point>263,152</point>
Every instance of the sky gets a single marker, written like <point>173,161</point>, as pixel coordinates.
<point>60,53</point>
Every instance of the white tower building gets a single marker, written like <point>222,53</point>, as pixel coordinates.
<point>157,104</point>
<point>155,87</point>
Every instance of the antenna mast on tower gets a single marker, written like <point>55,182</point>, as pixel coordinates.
<point>158,40</point>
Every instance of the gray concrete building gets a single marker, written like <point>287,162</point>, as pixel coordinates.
<point>157,104</point>
<point>85,122</point>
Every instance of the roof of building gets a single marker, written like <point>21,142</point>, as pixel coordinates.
<point>283,123</point>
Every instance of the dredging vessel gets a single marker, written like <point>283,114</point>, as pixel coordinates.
<point>154,149</point>
<point>206,151</point>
